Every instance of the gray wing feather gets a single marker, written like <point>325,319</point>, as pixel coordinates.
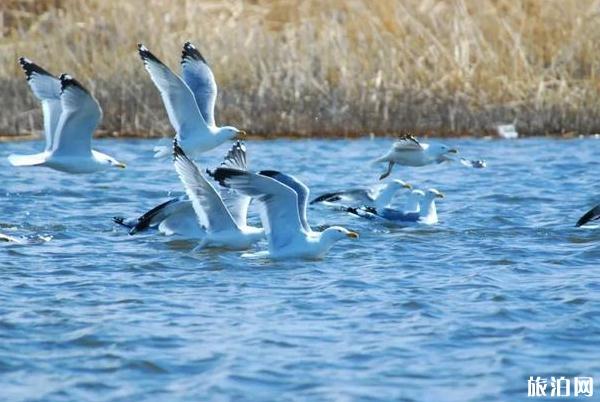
<point>201,81</point>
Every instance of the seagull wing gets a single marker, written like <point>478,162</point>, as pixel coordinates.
<point>279,202</point>
<point>46,88</point>
<point>80,116</point>
<point>591,215</point>
<point>177,97</point>
<point>301,190</point>
<point>357,195</point>
<point>236,202</point>
<point>212,213</point>
<point>408,143</point>
<point>201,81</point>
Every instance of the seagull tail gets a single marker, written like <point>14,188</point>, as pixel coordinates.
<point>162,151</point>
<point>27,160</point>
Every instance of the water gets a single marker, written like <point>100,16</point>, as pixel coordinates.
<point>503,288</point>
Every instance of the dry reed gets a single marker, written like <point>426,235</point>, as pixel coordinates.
<point>327,67</point>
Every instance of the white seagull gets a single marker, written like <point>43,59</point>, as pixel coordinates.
<point>420,209</point>
<point>379,196</point>
<point>190,102</point>
<point>71,114</point>
<point>177,216</point>
<point>408,151</point>
<point>222,229</point>
<point>283,200</point>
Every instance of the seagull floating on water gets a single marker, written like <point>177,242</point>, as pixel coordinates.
<point>379,196</point>
<point>71,114</point>
<point>591,215</point>
<point>408,151</point>
<point>177,216</point>
<point>283,200</point>
<point>190,102</point>
<point>420,209</point>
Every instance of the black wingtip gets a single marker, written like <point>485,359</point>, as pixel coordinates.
<point>30,67</point>
<point>221,174</point>
<point>67,81</point>
<point>191,52</point>
<point>269,173</point>
<point>146,54</point>
<point>591,215</point>
<point>177,150</point>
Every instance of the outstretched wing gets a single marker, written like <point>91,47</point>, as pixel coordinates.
<point>46,88</point>
<point>211,212</point>
<point>183,112</point>
<point>301,190</point>
<point>279,202</point>
<point>236,202</point>
<point>591,215</point>
<point>201,81</point>
<point>80,116</point>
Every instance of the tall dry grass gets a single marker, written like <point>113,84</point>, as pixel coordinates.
<point>325,67</point>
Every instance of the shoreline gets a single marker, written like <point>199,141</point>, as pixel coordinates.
<point>488,134</point>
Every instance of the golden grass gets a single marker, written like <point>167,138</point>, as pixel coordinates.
<point>326,67</point>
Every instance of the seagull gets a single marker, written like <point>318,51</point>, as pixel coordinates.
<point>190,101</point>
<point>379,196</point>
<point>71,114</point>
<point>420,209</point>
<point>408,151</point>
<point>283,200</point>
<point>177,216</point>
<point>591,215</point>
<point>221,228</point>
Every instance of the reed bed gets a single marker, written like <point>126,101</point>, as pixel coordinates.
<point>320,68</point>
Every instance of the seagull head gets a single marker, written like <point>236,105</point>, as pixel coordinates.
<point>115,163</point>
<point>229,132</point>
<point>442,149</point>
<point>335,233</point>
<point>401,184</point>
<point>433,193</point>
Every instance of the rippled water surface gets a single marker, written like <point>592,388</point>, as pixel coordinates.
<point>504,287</point>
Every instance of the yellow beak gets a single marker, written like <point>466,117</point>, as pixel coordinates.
<point>352,235</point>
<point>440,195</point>
<point>242,133</point>
<point>120,165</point>
<point>408,186</point>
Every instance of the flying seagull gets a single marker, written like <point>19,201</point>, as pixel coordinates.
<point>283,213</point>
<point>189,101</point>
<point>71,114</point>
<point>177,216</point>
<point>379,196</point>
<point>420,209</point>
<point>408,151</point>
<point>591,215</point>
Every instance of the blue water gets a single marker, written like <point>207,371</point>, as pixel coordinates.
<point>504,287</point>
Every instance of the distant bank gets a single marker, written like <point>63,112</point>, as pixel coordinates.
<point>320,68</point>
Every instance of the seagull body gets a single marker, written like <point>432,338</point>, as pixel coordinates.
<point>189,101</point>
<point>377,197</point>
<point>283,200</point>
<point>591,215</point>
<point>222,229</point>
<point>71,114</point>
<point>409,152</point>
<point>420,209</point>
